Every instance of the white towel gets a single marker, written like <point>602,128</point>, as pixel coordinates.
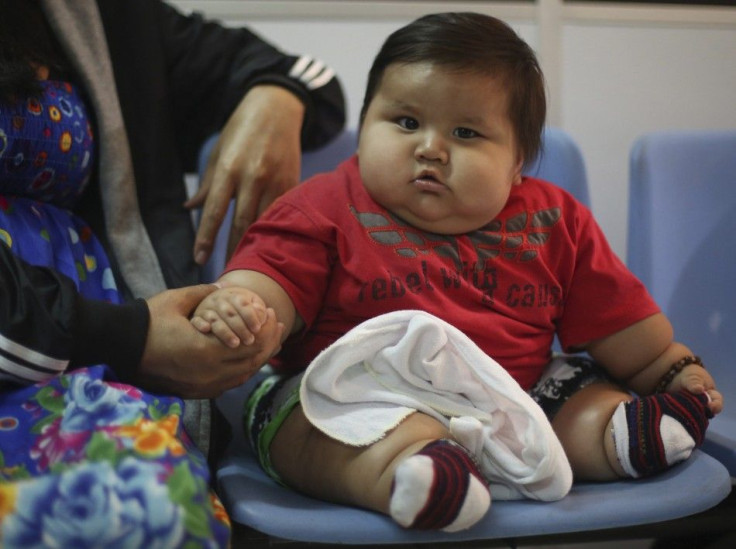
<point>393,365</point>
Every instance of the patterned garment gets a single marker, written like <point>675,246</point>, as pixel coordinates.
<point>85,461</point>
<point>46,145</point>
<point>46,157</point>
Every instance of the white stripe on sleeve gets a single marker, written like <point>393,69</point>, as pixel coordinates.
<point>26,363</point>
<point>313,73</point>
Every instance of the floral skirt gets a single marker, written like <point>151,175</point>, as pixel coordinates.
<point>88,462</point>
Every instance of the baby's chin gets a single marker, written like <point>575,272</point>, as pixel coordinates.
<point>443,225</point>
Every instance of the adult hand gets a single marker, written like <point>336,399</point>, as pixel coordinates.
<point>256,159</point>
<point>180,360</point>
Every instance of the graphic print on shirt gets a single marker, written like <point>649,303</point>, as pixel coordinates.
<point>515,239</point>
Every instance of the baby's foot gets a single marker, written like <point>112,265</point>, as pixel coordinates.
<point>653,433</point>
<point>439,488</point>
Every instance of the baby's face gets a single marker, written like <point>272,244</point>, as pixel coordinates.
<point>437,147</point>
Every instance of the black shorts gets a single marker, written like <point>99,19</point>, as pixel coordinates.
<point>564,376</point>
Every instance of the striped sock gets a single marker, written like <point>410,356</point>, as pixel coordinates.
<point>439,488</point>
<point>654,432</point>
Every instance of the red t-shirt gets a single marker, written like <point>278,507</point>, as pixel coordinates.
<point>541,267</point>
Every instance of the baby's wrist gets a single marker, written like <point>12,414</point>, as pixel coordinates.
<point>675,370</point>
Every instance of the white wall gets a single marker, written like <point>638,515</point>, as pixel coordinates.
<point>347,46</point>
<point>614,71</point>
<point>622,81</point>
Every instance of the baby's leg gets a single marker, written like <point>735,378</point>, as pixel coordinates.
<point>583,427</point>
<point>414,474</point>
<point>608,433</point>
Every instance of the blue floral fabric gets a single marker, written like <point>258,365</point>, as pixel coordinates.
<point>85,461</point>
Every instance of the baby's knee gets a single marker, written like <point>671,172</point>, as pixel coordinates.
<point>586,414</point>
<point>583,427</point>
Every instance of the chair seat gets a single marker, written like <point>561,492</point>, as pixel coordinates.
<point>254,500</point>
<point>720,440</point>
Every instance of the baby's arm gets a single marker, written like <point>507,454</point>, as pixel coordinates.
<point>643,354</point>
<point>245,302</point>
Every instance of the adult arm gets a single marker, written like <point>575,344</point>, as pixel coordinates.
<point>210,68</point>
<point>47,327</point>
<point>256,159</point>
<point>179,359</point>
<point>267,106</point>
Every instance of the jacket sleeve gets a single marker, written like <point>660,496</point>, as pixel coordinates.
<point>214,66</point>
<point>47,327</point>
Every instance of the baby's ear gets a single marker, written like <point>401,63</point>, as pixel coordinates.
<point>517,172</point>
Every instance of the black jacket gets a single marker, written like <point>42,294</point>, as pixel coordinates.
<point>46,327</point>
<point>178,79</point>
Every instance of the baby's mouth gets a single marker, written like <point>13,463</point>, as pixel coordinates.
<point>428,182</point>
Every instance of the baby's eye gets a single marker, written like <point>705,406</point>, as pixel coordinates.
<point>407,123</point>
<point>465,133</point>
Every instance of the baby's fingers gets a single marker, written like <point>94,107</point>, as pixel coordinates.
<point>231,331</point>
<point>699,381</point>
<point>201,324</point>
<point>253,315</point>
<point>238,317</point>
<point>225,324</point>
<point>715,401</point>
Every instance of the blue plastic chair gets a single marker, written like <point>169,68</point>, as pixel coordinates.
<point>256,502</point>
<point>561,162</point>
<point>682,221</point>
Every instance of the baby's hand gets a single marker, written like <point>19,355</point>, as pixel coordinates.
<point>232,314</point>
<point>697,380</point>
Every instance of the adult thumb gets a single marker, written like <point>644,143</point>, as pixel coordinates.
<point>189,297</point>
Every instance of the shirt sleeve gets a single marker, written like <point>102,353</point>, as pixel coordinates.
<point>294,250</point>
<point>604,297</point>
<point>214,66</point>
<point>47,327</point>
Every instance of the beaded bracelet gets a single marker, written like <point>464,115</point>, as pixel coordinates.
<point>675,369</point>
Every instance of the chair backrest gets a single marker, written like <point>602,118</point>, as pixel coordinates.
<point>328,157</point>
<point>682,219</point>
<point>561,162</point>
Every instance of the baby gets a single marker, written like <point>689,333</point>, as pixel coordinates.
<point>433,214</point>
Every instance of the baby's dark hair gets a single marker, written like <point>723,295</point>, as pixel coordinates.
<point>475,43</point>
